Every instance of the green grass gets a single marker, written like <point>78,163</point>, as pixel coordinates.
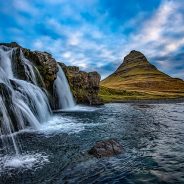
<point>114,95</point>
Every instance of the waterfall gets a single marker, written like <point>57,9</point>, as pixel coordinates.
<point>22,103</point>
<point>65,97</point>
<point>7,129</point>
<point>28,67</point>
<point>5,60</point>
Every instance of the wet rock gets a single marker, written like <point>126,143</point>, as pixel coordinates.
<point>46,65</point>
<point>106,148</point>
<point>85,86</point>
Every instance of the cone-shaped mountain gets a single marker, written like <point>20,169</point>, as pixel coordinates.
<point>138,78</point>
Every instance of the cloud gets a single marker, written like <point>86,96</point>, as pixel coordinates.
<point>152,34</point>
<point>96,35</point>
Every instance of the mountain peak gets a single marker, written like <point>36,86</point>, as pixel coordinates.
<point>135,59</point>
<point>135,56</point>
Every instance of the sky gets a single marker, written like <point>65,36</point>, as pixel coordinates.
<point>97,34</point>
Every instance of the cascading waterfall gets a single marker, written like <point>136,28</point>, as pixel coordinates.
<point>65,97</point>
<point>7,130</point>
<point>5,61</point>
<point>28,67</point>
<point>22,104</point>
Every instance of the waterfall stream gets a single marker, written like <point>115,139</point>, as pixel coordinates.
<point>23,103</point>
<point>63,91</point>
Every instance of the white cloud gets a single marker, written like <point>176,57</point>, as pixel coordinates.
<point>25,6</point>
<point>158,36</point>
<point>67,55</point>
<point>75,38</point>
<point>153,29</point>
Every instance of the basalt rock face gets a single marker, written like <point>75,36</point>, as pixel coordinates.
<point>85,86</point>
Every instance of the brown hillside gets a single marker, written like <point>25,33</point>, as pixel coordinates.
<point>136,75</point>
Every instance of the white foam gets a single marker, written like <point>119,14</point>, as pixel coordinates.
<point>78,108</point>
<point>27,161</point>
<point>58,124</point>
<point>20,162</point>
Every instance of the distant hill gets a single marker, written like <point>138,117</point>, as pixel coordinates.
<point>137,78</point>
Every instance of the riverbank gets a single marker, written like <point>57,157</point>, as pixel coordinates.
<point>146,101</point>
<point>110,95</point>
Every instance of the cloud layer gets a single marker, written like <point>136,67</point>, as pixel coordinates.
<point>97,34</point>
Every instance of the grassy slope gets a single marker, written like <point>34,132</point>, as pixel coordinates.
<point>140,83</point>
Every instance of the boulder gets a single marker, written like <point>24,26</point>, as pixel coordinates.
<point>106,148</point>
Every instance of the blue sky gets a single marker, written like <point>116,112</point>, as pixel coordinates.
<point>97,34</point>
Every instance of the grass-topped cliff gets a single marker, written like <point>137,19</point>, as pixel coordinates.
<point>137,79</point>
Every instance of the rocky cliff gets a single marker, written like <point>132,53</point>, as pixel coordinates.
<point>85,86</point>
<point>137,78</point>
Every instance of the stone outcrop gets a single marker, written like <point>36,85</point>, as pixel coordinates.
<point>85,86</point>
<point>106,148</point>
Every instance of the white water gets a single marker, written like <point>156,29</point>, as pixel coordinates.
<point>5,61</point>
<point>26,102</point>
<point>24,105</point>
<point>7,129</point>
<point>58,124</point>
<point>24,161</point>
<point>28,67</point>
<point>78,108</point>
<point>63,91</point>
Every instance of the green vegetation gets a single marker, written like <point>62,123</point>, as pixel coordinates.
<point>137,79</point>
<point>115,95</point>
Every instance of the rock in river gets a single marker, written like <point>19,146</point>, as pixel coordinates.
<point>105,148</point>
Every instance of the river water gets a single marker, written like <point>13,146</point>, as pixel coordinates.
<point>152,136</point>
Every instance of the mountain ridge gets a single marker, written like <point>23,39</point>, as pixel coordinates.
<point>138,76</point>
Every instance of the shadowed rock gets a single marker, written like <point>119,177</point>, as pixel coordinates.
<point>106,148</point>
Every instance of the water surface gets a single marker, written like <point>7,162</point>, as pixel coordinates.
<point>152,136</point>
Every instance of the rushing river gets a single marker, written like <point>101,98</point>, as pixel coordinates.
<point>152,136</point>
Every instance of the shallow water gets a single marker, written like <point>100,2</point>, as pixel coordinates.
<point>152,136</point>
